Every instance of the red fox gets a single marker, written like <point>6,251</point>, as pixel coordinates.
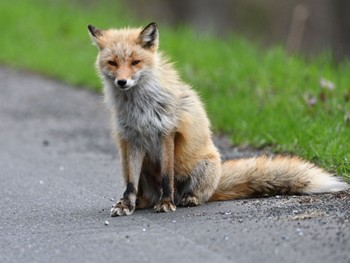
<point>167,154</point>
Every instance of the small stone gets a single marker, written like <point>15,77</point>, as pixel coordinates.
<point>299,231</point>
<point>106,223</point>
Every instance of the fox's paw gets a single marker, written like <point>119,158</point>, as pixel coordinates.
<point>123,207</point>
<point>189,200</point>
<point>164,206</point>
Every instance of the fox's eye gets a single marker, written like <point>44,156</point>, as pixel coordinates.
<point>135,62</point>
<point>112,63</point>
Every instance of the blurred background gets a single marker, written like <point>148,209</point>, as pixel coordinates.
<point>308,26</point>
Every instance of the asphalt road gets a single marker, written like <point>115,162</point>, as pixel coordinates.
<point>59,176</point>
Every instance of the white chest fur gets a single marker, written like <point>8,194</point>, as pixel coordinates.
<point>144,114</point>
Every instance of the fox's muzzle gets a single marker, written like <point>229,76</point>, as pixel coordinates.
<point>124,84</point>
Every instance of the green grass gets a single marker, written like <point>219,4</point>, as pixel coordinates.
<point>259,97</point>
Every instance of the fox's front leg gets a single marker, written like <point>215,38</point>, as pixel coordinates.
<point>132,159</point>
<point>166,202</point>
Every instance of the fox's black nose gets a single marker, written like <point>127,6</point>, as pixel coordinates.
<point>122,82</point>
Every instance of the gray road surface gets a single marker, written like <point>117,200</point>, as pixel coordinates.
<point>59,174</point>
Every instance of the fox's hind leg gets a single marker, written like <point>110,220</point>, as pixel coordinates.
<point>143,202</point>
<point>148,193</point>
<point>203,182</point>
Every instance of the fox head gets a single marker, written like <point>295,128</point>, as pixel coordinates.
<point>125,54</point>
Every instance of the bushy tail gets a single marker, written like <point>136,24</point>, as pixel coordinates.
<point>262,176</point>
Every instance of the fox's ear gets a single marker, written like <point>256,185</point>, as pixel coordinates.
<point>149,36</point>
<point>95,35</point>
